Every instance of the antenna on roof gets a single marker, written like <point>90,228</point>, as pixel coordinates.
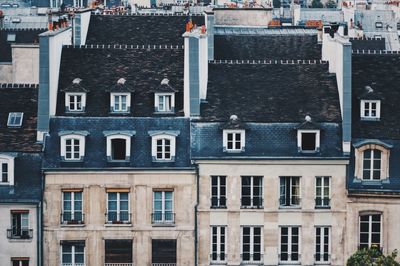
<point>76,81</point>
<point>121,81</point>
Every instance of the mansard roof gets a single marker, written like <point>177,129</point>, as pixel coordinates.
<point>19,98</point>
<point>98,128</point>
<point>138,29</point>
<point>142,68</point>
<point>266,47</point>
<point>271,91</point>
<point>381,72</point>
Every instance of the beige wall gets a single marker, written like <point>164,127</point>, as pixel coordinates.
<point>141,231</point>
<point>6,73</point>
<point>271,217</point>
<point>25,63</point>
<point>243,17</point>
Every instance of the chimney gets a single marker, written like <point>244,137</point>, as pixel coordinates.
<point>1,19</point>
<point>196,71</point>
<point>209,16</point>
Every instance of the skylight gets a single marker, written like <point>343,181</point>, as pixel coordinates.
<point>15,119</point>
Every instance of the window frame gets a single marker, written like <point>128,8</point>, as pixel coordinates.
<point>251,244</point>
<point>118,208</point>
<point>369,116</point>
<point>157,96</point>
<point>218,196</point>
<point>219,243</point>
<point>292,205</point>
<point>252,195</point>
<point>9,161</point>
<point>372,168</point>
<point>370,214</point>
<point>359,160</point>
<point>68,102</point>
<point>73,254</point>
<point>127,147</point>
<point>72,210</point>
<point>322,244</point>
<point>323,197</point>
<point>15,115</point>
<point>317,140</point>
<point>290,244</point>
<point>22,261</point>
<point>23,216</point>
<point>234,133</point>
<point>154,145</point>
<point>81,145</point>
<point>113,102</point>
<point>164,211</point>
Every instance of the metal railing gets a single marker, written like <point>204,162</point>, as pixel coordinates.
<point>294,201</point>
<point>296,257</point>
<point>322,202</point>
<point>163,264</point>
<point>73,264</point>
<point>163,218</point>
<point>121,217</point>
<point>220,258</point>
<point>19,234</point>
<point>247,202</point>
<point>322,257</point>
<point>218,202</point>
<point>119,264</point>
<point>72,218</point>
<point>253,259</point>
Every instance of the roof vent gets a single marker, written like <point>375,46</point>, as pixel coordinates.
<point>233,118</point>
<point>76,81</point>
<point>165,81</point>
<point>369,89</point>
<point>308,118</point>
<point>121,81</point>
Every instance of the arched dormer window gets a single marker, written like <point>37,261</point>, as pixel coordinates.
<point>6,170</point>
<point>75,97</point>
<point>163,145</point>
<point>72,145</point>
<point>118,145</point>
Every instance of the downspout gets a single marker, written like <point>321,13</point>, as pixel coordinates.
<point>195,215</point>
<point>39,233</point>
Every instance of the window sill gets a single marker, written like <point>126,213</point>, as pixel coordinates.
<point>252,207</point>
<point>118,225</point>
<point>72,225</point>
<point>371,119</point>
<point>218,262</point>
<point>163,224</point>
<point>295,207</point>
<point>322,207</point>
<point>233,151</point>
<point>283,263</point>
<point>120,112</point>
<point>322,263</point>
<point>20,239</point>
<point>218,207</point>
<point>5,184</point>
<point>74,112</point>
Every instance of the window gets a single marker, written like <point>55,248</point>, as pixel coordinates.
<point>72,207</point>
<point>218,243</point>
<point>163,145</point>
<point>370,110</point>
<point>218,191</point>
<point>75,102</point>
<point>11,37</point>
<point>118,252</point>
<point>73,146</point>
<point>322,246</point>
<point>308,140</point>
<point>290,247</point>
<point>371,164</point>
<point>322,191</point>
<point>234,140</point>
<point>289,191</point>
<point>164,102</point>
<point>120,102</point>
<point>118,206</point>
<point>119,145</point>
<point>15,119</point>
<point>163,251</point>
<point>252,191</point>
<point>20,261</point>
<point>251,244</point>
<point>20,225</point>
<point>73,253</point>
<point>378,25</point>
<point>163,207</point>
<point>6,170</point>
<point>370,231</point>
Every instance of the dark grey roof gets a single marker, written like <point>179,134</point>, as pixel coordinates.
<point>263,140</point>
<point>19,98</point>
<point>99,70</point>
<point>25,36</point>
<point>138,29</point>
<point>382,73</point>
<point>95,151</point>
<point>271,92</point>
<point>368,44</point>
<point>266,47</point>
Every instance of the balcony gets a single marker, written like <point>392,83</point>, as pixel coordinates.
<point>322,203</point>
<point>122,217</point>
<point>73,264</point>
<point>119,264</point>
<point>162,218</point>
<point>19,234</point>
<point>251,203</point>
<point>293,202</point>
<point>218,259</point>
<point>252,259</point>
<point>72,218</point>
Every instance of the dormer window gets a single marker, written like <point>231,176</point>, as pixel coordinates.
<point>119,145</point>
<point>75,102</point>
<point>308,140</point>
<point>15,119</point>
<point>370,109</point>
<point>73,145</point>
<point>163,145</point>
<point>120,102</point>
<point>6,170</point>
<point>164,102</point>
<point>233,140</point>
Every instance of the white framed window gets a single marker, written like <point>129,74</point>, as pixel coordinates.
<point>322,244</point>
<point>72,147</point>
<point>20,225</point>
<point>218,191</point>
<point>322,191</point>
<point>308,140</point>
<point>218,244</point>
<point>234,140</point>
<point>72,207</point>
<point>73,253</point>
<point>6,170</point>
<point>11,37</point>
<point>75,102</point>
<point>163,207</point>
<point>370,109</point>
<point>20,261</point>
<point>164,102</point>
<point>120,102</point>
<point>289,191</point>
<point>252,192</point>
<point>372,164</point>
<point>251,248</point>
<point>118,206</point>
<point>370,231</point>
<point>163,147</point>
<point>15,119</point>
<point>118,147</point>
<point>289,250</point>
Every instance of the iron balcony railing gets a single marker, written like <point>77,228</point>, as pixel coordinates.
<point>72,218</point>
<point>121,217</point>
<point>20,233</point>
<point>163,218</point>
<point>253,259</point>
<point>322,202</point>
<point>217,259</point>
<point>322,257</point>
<point>73,264</point>
<point>294,201</point>
<point>294,257</point>
<point>218,202</point>
<point>119,264</point>
<point>255,203</point>
<point>163,264</point>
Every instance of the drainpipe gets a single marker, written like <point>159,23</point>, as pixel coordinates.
<point>39,234</point>
<point>195,215</point>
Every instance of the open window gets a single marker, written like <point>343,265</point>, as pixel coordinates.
<point>119,145</point>
<point>308,140</point>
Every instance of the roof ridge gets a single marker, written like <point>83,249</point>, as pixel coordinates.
<point>127,46</point>
<point>269,62</point>
<point>379,52</point>
<point>18,85</point>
